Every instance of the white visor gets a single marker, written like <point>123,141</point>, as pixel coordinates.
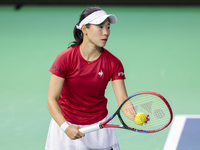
<point>97,17</point>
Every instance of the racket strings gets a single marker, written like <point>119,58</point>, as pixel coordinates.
<point>148,104</point>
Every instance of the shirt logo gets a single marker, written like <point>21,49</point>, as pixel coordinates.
<point>57,69</point>
<point>121,74</point>
<point>100,73</point>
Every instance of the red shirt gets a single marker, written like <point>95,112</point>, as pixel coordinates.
<point>82,99</point>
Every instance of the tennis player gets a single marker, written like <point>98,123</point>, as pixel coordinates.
<point>76,96</point>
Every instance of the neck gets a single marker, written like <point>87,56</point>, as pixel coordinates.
<point>90,52</point>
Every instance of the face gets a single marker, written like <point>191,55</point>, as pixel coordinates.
<point>98,34</point>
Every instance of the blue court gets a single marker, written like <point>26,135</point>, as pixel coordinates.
<point>184,133</point>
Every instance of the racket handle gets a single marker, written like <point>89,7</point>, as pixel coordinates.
<point>90,128</point>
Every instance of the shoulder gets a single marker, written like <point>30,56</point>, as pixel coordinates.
<point>68,52</point>
<point>67,56</point>
<point>63,62</point>
<point>114,65</point>
<point>111,56</point>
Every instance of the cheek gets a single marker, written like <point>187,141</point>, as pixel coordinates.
<point>95,34</point>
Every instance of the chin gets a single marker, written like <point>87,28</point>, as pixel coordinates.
<point>103,45</point>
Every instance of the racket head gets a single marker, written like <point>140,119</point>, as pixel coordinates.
<point>151,103</point>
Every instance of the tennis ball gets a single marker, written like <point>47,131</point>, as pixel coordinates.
<point>140,118</point>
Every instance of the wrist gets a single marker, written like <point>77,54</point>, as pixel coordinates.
<point>64,126</point>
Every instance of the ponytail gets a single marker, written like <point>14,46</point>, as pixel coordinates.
<point>78,36</point>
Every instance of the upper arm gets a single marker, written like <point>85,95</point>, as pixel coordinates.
<point>55,87</point>
<point>119,90</point>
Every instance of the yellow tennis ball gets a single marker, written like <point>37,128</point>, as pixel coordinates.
<point>140,118</point>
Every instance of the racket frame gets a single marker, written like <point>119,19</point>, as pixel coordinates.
<point>124,126</point>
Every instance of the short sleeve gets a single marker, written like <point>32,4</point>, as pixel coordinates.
<point>118,71</point>
<point>59,66</point>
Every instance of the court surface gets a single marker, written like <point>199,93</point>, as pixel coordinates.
<point>158,46</point>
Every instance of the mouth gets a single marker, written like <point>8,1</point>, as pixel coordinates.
<point>105,40</point>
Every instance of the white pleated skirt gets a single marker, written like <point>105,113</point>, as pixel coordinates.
<point>103,139</point>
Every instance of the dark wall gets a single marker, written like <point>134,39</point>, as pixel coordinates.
<point>102,2</point>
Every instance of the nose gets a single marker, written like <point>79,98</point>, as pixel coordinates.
<point>106,31</point>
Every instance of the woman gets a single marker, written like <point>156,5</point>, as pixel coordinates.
<point>77,86</point>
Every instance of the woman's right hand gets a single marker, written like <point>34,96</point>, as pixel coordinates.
<point>73,132</point>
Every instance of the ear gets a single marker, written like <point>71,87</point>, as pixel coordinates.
<point>84,29</point>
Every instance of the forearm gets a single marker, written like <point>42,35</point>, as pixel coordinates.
<point>55,111</point>
<point>120,91</point>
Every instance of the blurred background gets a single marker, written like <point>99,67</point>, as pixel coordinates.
<point>158,43</point>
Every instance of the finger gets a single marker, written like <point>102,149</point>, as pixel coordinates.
<point>77,137</point>
<point>146,121</point>
<point>147,116</point>
<point>81,134</point>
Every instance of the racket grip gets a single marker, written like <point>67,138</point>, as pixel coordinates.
<point>90,128</point>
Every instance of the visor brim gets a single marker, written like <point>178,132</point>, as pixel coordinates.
<point>112,18</point>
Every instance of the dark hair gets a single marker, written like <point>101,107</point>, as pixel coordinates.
<point>78,35</point>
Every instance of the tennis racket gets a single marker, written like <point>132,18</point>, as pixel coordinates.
<point>147,102</point>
